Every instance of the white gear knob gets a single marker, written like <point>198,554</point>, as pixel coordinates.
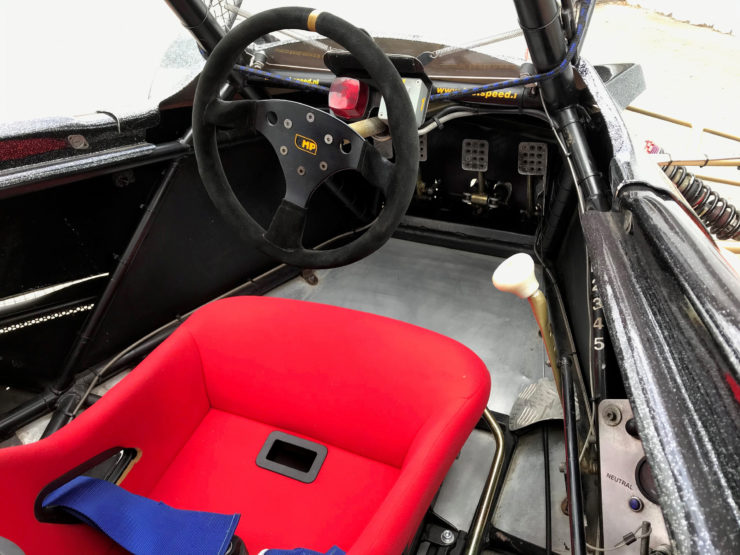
<point>516,275</point>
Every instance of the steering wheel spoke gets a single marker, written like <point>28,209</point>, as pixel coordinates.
<point>231,113</point>
<point>287,225</point>
<point>375,168</point>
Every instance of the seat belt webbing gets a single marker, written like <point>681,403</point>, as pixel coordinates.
<point>141,525</point>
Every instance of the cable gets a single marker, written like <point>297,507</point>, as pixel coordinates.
<point>448,50</point>
<point>583,17</point>
<point>588,436</point>
<point>237,10</point>
<point>586,23</point>
<point>281,80</point>
<point>605,549</point>
<point>548,494</point>
<point>567,153</point>
<point>101,373</point>
<point>444,119</point>
<point>589,301</point>
<point>628,539</point>
<point>590,407</point>
<point>454,112</point>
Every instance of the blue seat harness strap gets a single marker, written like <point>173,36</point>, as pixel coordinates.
<point>141,525</point>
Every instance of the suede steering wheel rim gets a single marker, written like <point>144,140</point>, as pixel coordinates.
<point>310,144</point>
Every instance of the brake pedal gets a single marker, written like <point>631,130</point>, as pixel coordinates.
<point>475,155</point>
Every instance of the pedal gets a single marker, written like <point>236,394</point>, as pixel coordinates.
<point>475,155</point>
<point>532,158</point>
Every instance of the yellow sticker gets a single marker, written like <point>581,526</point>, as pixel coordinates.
<point>306,145</point>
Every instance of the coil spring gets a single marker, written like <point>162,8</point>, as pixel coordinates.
<point>721,218</point>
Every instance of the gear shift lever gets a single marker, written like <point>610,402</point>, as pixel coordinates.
<point>516,275</point>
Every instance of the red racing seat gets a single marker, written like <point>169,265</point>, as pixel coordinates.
<point>391,402</point>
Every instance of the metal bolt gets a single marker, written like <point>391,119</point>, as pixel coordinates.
<point>323,166</point>
<point>283,150</point>
<point>612,415</point>
<point>301,170</point>
<point>287,123</point>
<point>447,537</point>
<point>124,178</point>
<point>328,139</point>
<point>310,117</point>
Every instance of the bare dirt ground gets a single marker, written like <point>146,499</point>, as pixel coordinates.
<point>692,73</point>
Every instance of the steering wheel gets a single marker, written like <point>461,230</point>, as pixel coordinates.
<point>310,143</point>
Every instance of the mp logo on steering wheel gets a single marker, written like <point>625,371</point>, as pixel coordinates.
<point>306,145</point>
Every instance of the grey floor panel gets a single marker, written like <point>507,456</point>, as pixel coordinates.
<point>520,510</point>
<point>444,290</point>
<point>460,493</point>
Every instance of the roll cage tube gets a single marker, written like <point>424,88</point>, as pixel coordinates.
<point>540,21</point>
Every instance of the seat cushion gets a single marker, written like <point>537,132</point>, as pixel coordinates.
<point>217,464</point>
<point>392,403</point>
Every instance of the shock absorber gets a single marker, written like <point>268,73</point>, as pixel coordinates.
<point>717,213</point>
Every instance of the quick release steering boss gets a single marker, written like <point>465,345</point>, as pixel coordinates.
<point>310,144</point>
